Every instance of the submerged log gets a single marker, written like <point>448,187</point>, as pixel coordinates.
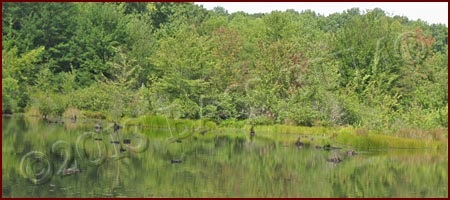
<point>334,159</point>
<point>175,161</point>
<point>69,171</point>
<point>329,147</point>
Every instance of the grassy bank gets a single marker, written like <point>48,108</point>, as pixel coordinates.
<point>358,138</point>
<point>287,135</point>
<point>347,136</point>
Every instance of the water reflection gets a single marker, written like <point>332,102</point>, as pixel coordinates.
<point>219,166</point>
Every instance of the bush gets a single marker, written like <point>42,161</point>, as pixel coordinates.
<point>9,99</point>
<point>43,103</point>
<point>262,120</point>
<point>59,104</point>
<point>94,98</point>
<point>49,104</point>
<point>233,123</point>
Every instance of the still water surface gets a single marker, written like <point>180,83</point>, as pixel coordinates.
<point>214,167</point>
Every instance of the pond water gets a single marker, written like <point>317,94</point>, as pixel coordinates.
<point>36,157</point>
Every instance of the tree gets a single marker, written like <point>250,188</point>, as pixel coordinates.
<point>18,73</point>
<point>101,28</point>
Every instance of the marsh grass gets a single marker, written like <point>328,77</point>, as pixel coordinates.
<point>435,134</point>
<point>283,135</point>
<point>379,141</point>
<point>70,112</point>
<point>93,114</point>
<point>33,111</point>
<point>358,138</point>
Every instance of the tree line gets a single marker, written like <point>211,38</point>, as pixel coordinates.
<point>360,68</point>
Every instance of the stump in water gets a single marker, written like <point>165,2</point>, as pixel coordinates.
<point>252,133</point>
<point>74,118</point>
<point>116,127</point>
<point>298,143</point>
<point>97,127</point>
<point>351,153</point>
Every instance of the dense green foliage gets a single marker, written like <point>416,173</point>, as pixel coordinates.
<point>360,68</point>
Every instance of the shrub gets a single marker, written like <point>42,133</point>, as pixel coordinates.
<point>261,120</point>
<point>9,99</point>
<point>43,103</point>
<point>59,104</point>
<point>95,98</point>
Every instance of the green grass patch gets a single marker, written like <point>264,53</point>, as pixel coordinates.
<point>93,114</point>
<point>175,125</point>
<point>380,141</point>
<point>340,136</point>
